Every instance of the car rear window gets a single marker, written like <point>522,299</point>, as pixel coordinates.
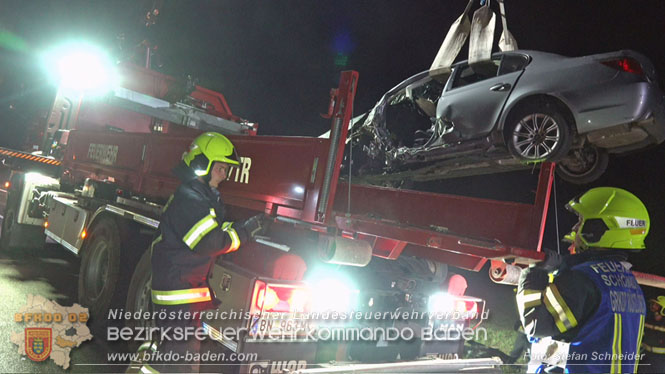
<point>499,65</point>
<point>472,74</point>
<point>511,63</point>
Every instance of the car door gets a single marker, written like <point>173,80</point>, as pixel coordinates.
<point>475,95</point>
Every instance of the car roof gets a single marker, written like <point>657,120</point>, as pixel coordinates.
<point>538,56</point>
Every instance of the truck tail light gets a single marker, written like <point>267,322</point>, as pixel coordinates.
<point>626,64</point>
<point>446,306</point>
<point>272,302</point>
<point>279,298</point>
<point>326,294</point>
<point>7,185</point>
<point>466,307</point>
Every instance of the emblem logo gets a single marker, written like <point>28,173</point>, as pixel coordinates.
<point>38,343</point>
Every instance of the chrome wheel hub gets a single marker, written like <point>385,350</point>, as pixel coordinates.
<point>536,136</point>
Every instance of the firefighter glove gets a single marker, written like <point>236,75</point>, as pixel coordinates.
<point>533,278</point>
<point>552,260</point>
<point>254,225</point>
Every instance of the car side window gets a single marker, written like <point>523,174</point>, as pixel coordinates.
<point>472,74</point>
<point>511,63</point>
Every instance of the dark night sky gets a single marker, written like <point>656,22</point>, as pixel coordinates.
<point>275,60</point>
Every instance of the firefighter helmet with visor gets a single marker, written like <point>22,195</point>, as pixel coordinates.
<point>208,148</point>
<point>610,218</point>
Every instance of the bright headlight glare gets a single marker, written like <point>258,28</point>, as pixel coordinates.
<point>441,302</point>
<point>333,294</point>
<point>81,68</point>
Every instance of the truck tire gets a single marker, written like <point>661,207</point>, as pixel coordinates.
<point>15,236</point>
<point>100,280</point>
<point>138,294</point>
<point>9,226</point>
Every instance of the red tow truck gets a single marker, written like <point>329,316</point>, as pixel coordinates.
<point>99,184</point>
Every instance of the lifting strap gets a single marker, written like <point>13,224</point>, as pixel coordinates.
<point>480,32</point>
<point>507,42</point>
<point>452,44</point>
<point>482,35</point>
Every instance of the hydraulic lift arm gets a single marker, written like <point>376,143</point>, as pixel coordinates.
<point>177,113</point>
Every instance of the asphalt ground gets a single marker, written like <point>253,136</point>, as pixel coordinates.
<point>51,272</point>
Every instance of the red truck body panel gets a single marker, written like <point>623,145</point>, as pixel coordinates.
<point>279,178</point>
<point>289,177</point>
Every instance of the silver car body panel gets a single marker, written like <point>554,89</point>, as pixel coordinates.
<point>613,109</point>
<point>473,109</point>
<point>598,96</point>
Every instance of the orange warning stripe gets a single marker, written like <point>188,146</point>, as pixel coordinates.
<point>30,157</point>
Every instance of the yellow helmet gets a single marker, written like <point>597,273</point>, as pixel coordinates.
<point>658,305</point>
<point>208,148</point>
<point>610,218</point>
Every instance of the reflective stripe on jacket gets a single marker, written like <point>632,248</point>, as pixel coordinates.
<point>654,335</point>
<point>176,297</point>
<point>594,310</point>
<point>616,327</point>
<point>192,235</point>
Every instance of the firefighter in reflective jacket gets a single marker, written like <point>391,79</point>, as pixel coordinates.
<point>654,337</point>
<point>192,234</point>
<point>585,313</point>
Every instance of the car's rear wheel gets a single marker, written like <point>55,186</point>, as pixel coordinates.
<point>538,132</point>
<point>583,165</point>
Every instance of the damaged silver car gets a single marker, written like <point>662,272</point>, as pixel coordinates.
<point>519,108</point>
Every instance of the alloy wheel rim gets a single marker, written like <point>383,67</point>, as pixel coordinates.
<point>536,136</point>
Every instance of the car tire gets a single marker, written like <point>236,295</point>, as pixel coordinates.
<point>100,282</point>
<point>538,132</point>
<point>583,165</point>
